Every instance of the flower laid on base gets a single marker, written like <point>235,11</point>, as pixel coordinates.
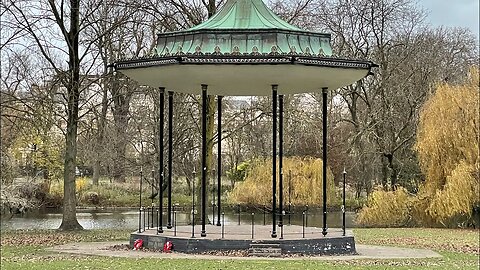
<point>137,244</point>
<point>168,247</point>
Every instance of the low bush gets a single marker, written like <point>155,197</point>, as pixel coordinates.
<point>109,194</point>
<point>386,209</point>
<point>21,197</point>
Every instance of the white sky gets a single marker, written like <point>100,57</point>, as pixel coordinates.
<point>462,13</point>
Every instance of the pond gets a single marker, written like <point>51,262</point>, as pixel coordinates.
<point>128,219</point>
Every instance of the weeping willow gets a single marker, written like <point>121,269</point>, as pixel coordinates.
<point>386,209</point>
<point>448,150</point>
<point>304,176</point>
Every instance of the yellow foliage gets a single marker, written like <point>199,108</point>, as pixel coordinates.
<point>48,153</point>
<point>56,188</point>
<point>386,209</point>
<point>419,205</point>
<point>81,183</point>
<point>448,151</point>
<point>458,195</point>
<point>306,183</point>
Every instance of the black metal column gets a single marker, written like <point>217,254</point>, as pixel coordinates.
<point>170,158</point>
<point>204,158</point>
<point>280,160</point>
<point>343,205</point>
<point>274,160</point>
<point>160,159</point>
<point>324,156</point>
<point>219,158</point>
<point>152,184</point>
<point>140,209</point>
<point>193,201</point>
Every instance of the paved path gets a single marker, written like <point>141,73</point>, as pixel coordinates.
<point>364,252</point>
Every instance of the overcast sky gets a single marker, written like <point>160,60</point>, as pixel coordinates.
<point>463,13</point>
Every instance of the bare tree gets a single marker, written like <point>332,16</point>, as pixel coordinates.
<point>383,109</point>
<point>56,30</point>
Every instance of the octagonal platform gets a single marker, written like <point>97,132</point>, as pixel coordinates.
<point>296,240</point>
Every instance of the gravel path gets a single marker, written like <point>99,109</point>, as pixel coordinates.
<point>364,252</point>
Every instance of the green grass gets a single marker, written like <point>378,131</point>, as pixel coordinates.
<point>47,238</point>
<point>26,250</point>
<point>457,240</point>
<point>80,262</point>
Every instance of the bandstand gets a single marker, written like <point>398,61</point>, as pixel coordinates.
<point>243,50</point>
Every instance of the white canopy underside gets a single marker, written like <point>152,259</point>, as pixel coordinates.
<point>245,80</point>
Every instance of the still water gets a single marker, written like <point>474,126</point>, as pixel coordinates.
<point>129,219</point>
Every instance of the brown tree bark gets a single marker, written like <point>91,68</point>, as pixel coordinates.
<point>121,110</point>
<point>69,220</point>
<point>101,132</point>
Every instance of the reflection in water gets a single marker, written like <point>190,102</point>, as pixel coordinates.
<point>98,219</point>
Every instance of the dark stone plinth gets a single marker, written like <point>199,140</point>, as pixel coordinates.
<point>239,237</point>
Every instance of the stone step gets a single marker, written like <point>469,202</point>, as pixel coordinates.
<point>265,250</point>
<point>264,245</point>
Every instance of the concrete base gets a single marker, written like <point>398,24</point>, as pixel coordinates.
<point>309,241</point>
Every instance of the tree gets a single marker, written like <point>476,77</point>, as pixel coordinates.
<point>66,20</point>
<point>448,141</point>
<point>72,84</point>
<point>383,109</point>
<point>448,147</point>
<point>306,183</point>
<point>55,30</point>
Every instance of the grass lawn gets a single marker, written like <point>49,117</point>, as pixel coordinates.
<point>26,250</point>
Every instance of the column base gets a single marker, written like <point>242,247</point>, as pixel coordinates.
<point>203,234</point>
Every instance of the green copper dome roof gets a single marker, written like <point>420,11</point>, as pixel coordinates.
<point>243,27</point>
<point>245,14</point>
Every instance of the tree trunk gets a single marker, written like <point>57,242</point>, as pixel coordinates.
<point>210,143</point>
<point>392,171</point>
<point>121,104</point>
<point>96,170</point>
<point>358,145</point>
<point>100,135</point>
<point>384,173</point>
<point>367,177</point>
<point>69,220</point>
<point>120,148</point>
<point>212,8</point>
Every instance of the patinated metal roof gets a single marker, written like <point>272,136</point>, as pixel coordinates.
<point>240,14</point>
<point>244,27</point>
<point>244,41</point>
